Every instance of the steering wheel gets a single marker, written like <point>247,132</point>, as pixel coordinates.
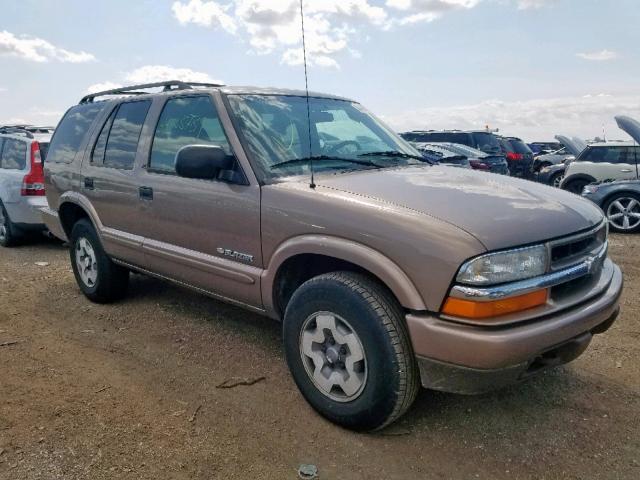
<point>339,146</point>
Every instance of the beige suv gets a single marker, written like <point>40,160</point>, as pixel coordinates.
<point>386,271</point>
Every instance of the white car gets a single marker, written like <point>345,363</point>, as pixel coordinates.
<point>600,162</point>
<point>21,182</point>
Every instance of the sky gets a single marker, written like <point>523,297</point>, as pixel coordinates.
<point>530,68</point>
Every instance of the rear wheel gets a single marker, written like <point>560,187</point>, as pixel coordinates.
<point>349,352</point>
<point>101,280</point>
<point>623,213</point>
<point>9,233</point>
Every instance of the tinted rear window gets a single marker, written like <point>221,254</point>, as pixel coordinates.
<point>519,146</point>
<point>69,135</point>
<point>487,142</point>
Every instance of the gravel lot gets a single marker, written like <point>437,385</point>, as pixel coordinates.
<point>129,391</point>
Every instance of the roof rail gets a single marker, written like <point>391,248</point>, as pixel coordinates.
<point>10,130</point>
<point>133,89</point>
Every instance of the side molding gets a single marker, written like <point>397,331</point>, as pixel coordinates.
<point>365,257</point>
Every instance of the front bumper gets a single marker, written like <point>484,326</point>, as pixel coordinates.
<point>461,358</point>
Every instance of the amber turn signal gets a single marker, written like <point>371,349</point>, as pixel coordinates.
<point>457,307</point>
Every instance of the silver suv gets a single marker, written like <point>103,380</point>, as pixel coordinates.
<point>22,152</point>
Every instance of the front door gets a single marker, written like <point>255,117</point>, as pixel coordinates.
<point>205,233</point>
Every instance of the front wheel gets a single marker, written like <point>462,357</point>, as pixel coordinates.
<point>556,179</point>
<point>349,351</point>
<point>101,280</point>
<point>576,186</point>
<point>623,213</point>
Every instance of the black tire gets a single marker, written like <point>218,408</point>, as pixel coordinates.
<point>392,378</point>
<point>111,280</point>
<point>575,186</point>
<point>617,224</point>
<point>9,234</point>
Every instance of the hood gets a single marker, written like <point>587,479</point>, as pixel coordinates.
<point>630,126</point>
<point>574,145</point>
<point>499,211</point>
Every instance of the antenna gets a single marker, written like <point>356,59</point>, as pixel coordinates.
<point>312,184</point>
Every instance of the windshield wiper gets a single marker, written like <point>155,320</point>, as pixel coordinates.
<point>394,153</point>
<point>324,158</point>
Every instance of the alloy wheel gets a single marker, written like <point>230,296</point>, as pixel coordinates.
<point>86,262</point>
<point>333,356</point>
<point>558,180</point>
<point>624,213</point>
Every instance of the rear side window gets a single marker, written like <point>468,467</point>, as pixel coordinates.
<point>185,121</point>
<point>97,156</point>
<point>69,135</point>
<point>14,155</point>
<point>610,155</point>
<point>122,142</point>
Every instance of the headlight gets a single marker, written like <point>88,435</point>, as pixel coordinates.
<point>545,169</point>
<point>502,267</point>
<point>589,189</point>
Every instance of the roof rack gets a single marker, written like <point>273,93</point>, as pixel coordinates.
<point>11,130</point>
<point>133,89</point>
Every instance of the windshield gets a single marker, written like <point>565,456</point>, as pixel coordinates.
<point>344,136</point>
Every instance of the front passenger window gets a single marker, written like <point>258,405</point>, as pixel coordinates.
<point>185,121</point>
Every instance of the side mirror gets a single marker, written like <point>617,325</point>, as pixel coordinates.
<point>202,162</point>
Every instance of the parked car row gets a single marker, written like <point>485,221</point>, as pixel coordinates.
<point>504,155</point>
<point>388,271</point>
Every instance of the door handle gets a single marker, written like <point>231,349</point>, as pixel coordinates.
<point>626,170</point>
<point>88,183</point>
<point>146,193</point>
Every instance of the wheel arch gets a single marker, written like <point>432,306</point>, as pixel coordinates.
<point>301,258</point>
<point>73,207</point>
<point>622,191</point>
<point>576,176</point>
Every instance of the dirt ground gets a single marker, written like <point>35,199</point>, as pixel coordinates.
<point>129,391</point>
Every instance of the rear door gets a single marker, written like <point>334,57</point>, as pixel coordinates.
<point>109,179</point>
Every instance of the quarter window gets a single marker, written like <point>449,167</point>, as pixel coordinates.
<point>124,134</point>
<point>69,135</point>
<point>185,121</point>
<point>14,155</point>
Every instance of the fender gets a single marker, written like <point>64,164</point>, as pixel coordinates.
<point>577,176</point>
<point>365,257</point>
<point>84,203</point>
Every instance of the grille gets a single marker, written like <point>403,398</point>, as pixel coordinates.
<point>573,250</point>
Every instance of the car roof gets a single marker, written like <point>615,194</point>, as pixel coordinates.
<point>174,87</point>
<point>38,137</point>
<point>612,144</point>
